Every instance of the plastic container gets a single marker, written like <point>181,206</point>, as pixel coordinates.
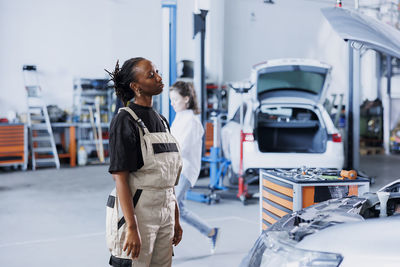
<point>82,156</point>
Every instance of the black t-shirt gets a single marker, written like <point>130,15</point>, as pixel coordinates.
<point>124,143</point>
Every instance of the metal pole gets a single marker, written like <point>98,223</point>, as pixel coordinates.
<point>349,114</point>
<point>202,63</point>
<point>356,108</point>
<point>199,75</point>
<point>168,55</point>
<point>356,104</point>
<point>379,75</point>
<point>388,107</point>
<point>172,57</point>
<point>241,137</point>
<point>200,27</point>
<point>356,4</point>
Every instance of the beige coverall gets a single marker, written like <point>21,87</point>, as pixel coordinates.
<point>154,201</point>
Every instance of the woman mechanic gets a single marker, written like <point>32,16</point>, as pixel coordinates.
<point>145,164</point>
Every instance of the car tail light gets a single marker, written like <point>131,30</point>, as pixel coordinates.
<point>336,138</point>
<point>248,137</point>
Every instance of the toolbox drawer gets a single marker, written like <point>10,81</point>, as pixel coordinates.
<point>13,145</point>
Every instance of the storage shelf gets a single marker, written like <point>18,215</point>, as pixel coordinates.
<point>88,125</point>
<point>92,142</point>
<point>94,93</point>
<point>93,107</point>
<point>84,100</point>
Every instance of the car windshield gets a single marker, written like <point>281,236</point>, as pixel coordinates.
<point>292,78</point>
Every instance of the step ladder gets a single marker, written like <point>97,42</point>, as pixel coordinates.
<point>41,139</point>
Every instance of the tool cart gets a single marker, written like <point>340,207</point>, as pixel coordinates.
<point>285,191</point>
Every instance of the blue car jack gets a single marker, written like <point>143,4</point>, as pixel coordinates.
<point>218,168</point>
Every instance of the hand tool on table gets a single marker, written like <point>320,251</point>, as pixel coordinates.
<point>352,174</point>
<point>341,175</point>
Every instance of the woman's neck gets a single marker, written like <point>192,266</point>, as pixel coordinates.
<point>145,101</point>
<point>184,110</point>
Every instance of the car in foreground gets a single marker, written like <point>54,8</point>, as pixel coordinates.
<point>284,122</point>
<point>347,231</point>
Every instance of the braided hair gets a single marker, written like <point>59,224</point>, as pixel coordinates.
<point>187,89</point>
<point>122,77</point>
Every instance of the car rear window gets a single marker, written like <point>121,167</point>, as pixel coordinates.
<point>293,79</point>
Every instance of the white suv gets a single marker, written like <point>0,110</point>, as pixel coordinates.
<point>285,124</point>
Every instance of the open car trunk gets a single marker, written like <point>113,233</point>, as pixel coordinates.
<point>289,129</point>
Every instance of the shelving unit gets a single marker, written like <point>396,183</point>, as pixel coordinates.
<point>216,102</point>
<point>216,98</point>
<point>86,93</point>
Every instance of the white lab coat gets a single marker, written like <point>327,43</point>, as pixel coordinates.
<point>188,131</point>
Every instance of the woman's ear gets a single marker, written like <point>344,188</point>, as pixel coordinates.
<point>132,85</point>
<point>186,99</point>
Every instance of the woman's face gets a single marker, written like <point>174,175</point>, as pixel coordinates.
<point>178,102</point>
<point>148,81</point>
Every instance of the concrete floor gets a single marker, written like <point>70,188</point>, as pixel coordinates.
<point>57,218</point>
<point>383,168</point>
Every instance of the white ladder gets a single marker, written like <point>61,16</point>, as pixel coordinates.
<point>41,139</point>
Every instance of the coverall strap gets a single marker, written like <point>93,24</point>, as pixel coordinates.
<point>164,123</point>
<point>136,118</point>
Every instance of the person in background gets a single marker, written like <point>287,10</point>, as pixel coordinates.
<point>145,163</point>
<point>188,131</point>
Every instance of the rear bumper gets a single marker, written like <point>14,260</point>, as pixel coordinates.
<point>333,157</point>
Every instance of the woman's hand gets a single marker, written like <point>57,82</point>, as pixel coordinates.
<point>177,233</point>
<point>132,239</point>
<point>133,242</point>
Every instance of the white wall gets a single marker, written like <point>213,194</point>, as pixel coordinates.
<point>214,40</point>
<point>136,29</point>
<point>68,39</point>
<point>185,47</point>
<point>255,32</point>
